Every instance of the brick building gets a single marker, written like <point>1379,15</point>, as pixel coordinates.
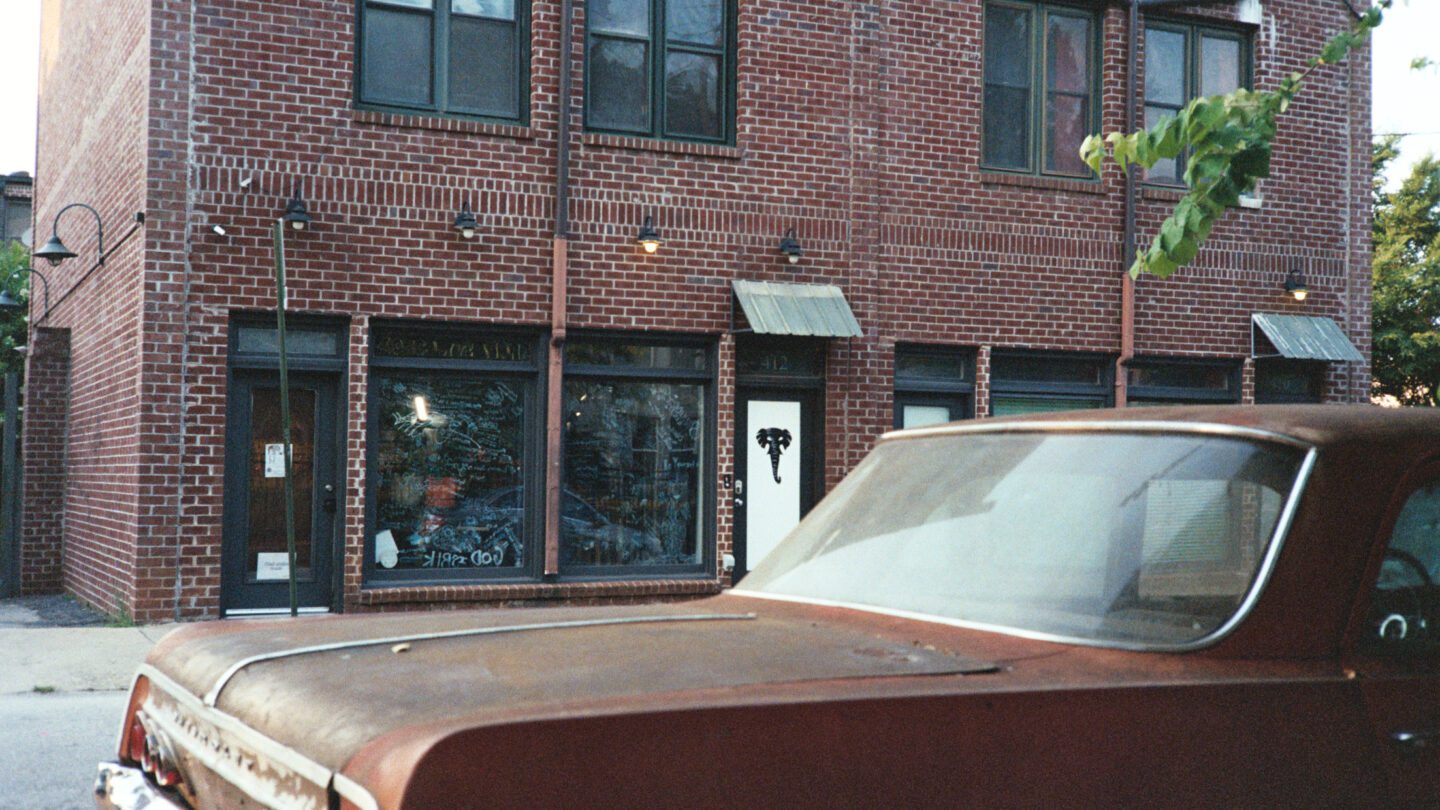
<point>463,434</point>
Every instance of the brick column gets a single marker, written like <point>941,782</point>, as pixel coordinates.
<point>47,398</point>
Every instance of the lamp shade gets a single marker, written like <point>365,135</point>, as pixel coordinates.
<point>295,211</point>
<point>54,251</point>
<point>649,237</point>
<point>9,302</point>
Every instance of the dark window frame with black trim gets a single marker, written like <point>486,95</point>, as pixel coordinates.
<point>1038,90</point>
<point>1037,389</point>
<point>952,388</point>
<point>1272,370</point>
<point>1182,381</point>
<point>527,374</point>
<point>659,46</point>
<point>613,551</point>
<point>444,21</point>
<point>1194,34</point>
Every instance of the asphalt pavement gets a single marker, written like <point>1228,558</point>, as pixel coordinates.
<point>64,676</point>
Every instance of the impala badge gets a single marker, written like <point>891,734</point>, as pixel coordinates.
<point>775,440</point>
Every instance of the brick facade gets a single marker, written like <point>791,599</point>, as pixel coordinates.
<point>857,124</point>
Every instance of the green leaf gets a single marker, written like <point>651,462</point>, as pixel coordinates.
<point>1171,232</point>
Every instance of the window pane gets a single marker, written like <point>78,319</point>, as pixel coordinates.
<point>633,456</point>
<point>1069,54</point>
<point>1405,590</point>
<point>452,344</point>
<point>1067,120</point>
<point>636,355</point>
<point>482,66</point>
<point>619,16</point>
<point>699,21</point>
<point>266,340</point>
<point>1181,375</point>
<point>1013,405</point>
<point>942,366</point>
<point>1007,46</point>
<point>1219,66</point>
<point>449,487</point>
<point>1007,127</point>
<point>1164,67</point>
<point>425,4</point>
<point>495,9</point>
<point>1167,170</point>
<point>692,95</point>
<point>617,89</point>
<point>916,416</point>
<point>396,57</point>
<point>1041,368</point>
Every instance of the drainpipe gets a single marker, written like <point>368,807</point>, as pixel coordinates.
<point>1127,284</point>
<point>559,269</point>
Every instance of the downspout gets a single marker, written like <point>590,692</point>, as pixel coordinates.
<point>1127,284</point>
<point>559,270</point>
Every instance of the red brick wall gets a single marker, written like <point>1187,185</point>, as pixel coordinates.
<point>91,146</point>
<point>47,383</point>
<point>858,124</point>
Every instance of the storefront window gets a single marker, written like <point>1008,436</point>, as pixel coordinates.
<point>1023,383</point>
<point>636,434</point>
<point>450,473</point>
<point>453,437</point>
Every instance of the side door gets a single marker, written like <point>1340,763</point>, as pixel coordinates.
<point>254,559</point>
<point>1398,647</point>
<point>778,450</point>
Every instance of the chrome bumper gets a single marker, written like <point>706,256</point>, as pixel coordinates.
<point>120,788</point>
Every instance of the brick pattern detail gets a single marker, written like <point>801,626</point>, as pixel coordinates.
<point>858,124</point>
<point>47,384</point>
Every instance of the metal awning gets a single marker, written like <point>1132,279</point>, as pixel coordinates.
<point>810,310</point>
<point>1303,337</point>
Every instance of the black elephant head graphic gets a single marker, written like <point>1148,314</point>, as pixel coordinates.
<point>774,440</point>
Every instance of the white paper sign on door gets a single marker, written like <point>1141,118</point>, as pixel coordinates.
<point>272,565</point>
<point>772,508</point>
<point>274,461</point>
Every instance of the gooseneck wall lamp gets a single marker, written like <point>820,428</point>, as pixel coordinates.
<point>1295,285</point>
<point>790,247</point>
<point>295,211</point>
<point>55,251</point>
<point>465,221</point>
<point>10,303</point>
<point>649,238</point>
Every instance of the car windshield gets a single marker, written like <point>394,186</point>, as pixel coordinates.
<point>1127,539</point>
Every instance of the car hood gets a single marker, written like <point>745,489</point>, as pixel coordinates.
<point>327,686</point>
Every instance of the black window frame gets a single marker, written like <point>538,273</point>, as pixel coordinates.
<point>659,46</point>
<point>531,374</point>
<point>1193,32</point>
<point>706,476</point>
<point>1101,392</point>
<point>1039,91</point>
<point>958,395</point>
<point>439,66</point>
<point>1184,394</point>
<point>1312,372</point>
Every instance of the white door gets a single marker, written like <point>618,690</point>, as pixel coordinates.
<point>774,480</point>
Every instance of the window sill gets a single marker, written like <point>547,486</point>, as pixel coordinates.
<point>376,595</point>
<point>990,178</point>
<point>439,124</point>
<point>1164,193</point>
<point>656,145</point>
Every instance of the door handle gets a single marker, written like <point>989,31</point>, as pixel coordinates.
<point>328,503</point>
<point>739,502</point>
<point>1415,741</point>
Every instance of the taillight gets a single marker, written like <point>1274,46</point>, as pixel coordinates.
<point>150,749</point>
<point>135,740</point>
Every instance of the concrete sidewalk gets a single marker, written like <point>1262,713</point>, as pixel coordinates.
<point>51,643</point>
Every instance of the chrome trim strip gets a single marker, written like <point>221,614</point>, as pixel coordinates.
<point>303,766</point>
<point>213,696</point>
<point>1131,426</point>
<point>350,789</point>
<point>261,613</point>
<point>1252,596</point>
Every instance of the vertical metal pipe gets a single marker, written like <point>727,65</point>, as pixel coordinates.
<point>285,410</point>
<point>1127,284</point>
<point>554,389</point>
<point>10,490</point>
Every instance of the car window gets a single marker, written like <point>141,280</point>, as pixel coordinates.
<point>1404,612</point>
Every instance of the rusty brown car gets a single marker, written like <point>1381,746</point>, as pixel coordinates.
<point>1214,607</point>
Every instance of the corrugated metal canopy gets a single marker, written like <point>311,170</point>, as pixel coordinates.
<point>811,310</point>
<point>1306,337</point>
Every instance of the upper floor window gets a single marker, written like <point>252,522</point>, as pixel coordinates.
<point>1040,92</point>
<point>660,68</point>
<point>454,57</point>
<point>1184,62</point>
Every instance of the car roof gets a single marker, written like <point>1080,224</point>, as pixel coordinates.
<point>1317,425</point>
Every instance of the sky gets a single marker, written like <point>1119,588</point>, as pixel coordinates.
<point>1405,101</point>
